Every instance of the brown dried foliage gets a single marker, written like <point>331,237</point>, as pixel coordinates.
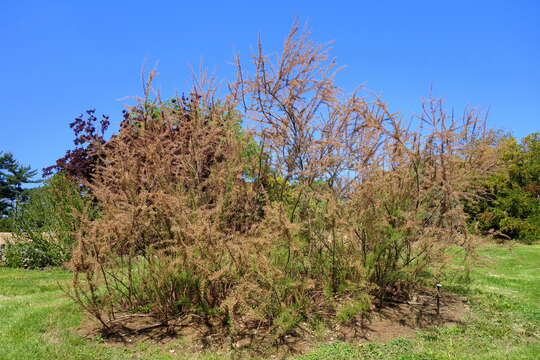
<point>340,199</point>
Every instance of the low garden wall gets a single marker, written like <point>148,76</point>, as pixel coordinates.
<point>4,237</point>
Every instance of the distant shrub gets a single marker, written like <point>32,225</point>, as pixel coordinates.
<point>507,202</point>
<point>44,225</point>
<point>26,255</point>
<point>5,224</point>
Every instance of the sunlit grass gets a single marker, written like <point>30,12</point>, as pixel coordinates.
<point>504,322</point>
<point>39,322</point>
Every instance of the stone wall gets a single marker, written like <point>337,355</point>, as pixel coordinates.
<point>4,236</point>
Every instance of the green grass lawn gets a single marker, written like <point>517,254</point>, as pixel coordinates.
<point>38,322</point>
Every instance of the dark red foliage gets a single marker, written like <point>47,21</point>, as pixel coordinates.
<point>79,163</point>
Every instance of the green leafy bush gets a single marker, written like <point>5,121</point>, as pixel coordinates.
<point>5,224</point>
<point>26,255</point>
<point>44,225</point>
<point>508,202</point>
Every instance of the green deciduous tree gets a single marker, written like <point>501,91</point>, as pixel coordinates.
<point>509,204</point>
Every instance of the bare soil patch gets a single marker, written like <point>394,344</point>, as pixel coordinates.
<point>402,319</point>
<point>395,319</point>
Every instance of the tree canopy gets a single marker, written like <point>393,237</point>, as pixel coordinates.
<point>509,205</point>
<point>13,176</point>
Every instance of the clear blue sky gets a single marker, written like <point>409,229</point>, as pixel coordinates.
<point>58,58</point>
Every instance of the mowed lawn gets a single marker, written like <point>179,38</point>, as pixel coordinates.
<point>38,322</point>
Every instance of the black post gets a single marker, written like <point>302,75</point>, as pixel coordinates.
<point>439,299</point>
